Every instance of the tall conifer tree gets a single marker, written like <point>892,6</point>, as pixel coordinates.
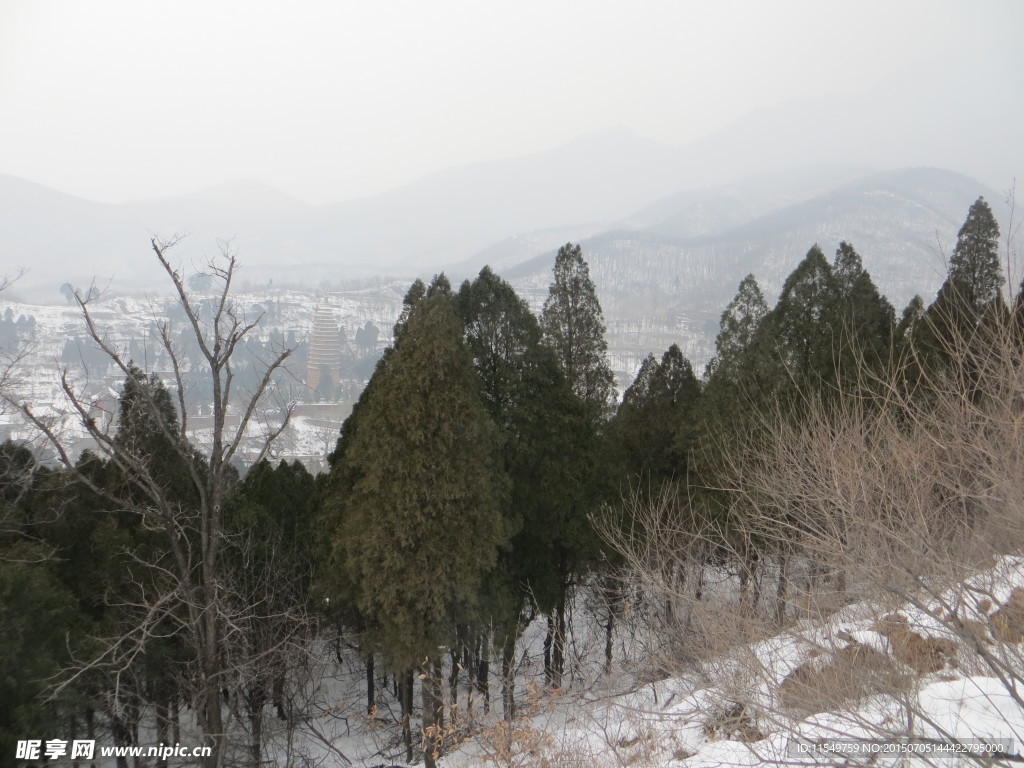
<point>971,293</point>
<point>736,381</point>
<point>801,328</point>
<point>421,524</point>
<point>653,426</point>
<point>269,519</point>
<point>540,420</point>
<point>573,326</point>
<point>864,320</point>
<point>738,326</point>
<point>974,266</point>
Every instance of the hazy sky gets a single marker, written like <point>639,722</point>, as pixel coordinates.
<point>117,100</point>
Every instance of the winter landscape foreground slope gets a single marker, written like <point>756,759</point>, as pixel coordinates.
<point>926,691</point>
<point>812,535</point>
<point>551,385</point>
<point>871,684</point>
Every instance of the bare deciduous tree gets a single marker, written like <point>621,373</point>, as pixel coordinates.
<point>194,594</point>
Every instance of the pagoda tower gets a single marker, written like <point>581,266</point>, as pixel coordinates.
<point>324,349</point>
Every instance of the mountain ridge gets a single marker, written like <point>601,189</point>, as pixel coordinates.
<point>657,289</point>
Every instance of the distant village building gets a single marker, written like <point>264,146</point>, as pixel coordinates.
<point>324,351</point>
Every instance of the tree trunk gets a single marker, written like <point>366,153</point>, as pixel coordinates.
<point>90,728</point>
<point>757,576</point>
<point>210,716</point>
<point>750,585</point>
<point>124,721</point>
<point>278,690</point>
<point>472,669</point>
<point>207,642</point>
<point>437,681</point>
<point>371,690</point>
<point>122,738</point>
<point>433,712</point>
<point>782,589</point>
<point>558,642</point>
<point>175,720</point>
<point>458,655</point>
<point>744,582</point>
<point>405,697</point>
<point>608,629</point>
<point>677,583</point>
<point>160,708</point>
<point>508,683</point>
<point>482,671</point>
<point>256,745</point>
<point>136,715</point>
<point>549,639</point>
<point>255,701</point>
<point>73,734</point>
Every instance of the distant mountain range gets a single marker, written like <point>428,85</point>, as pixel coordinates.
<point>444,217</point>
<point>667,278</point>
<point>508,211</point>
<point>665,252</point>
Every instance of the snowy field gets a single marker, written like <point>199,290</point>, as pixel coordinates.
<point>733,710</point>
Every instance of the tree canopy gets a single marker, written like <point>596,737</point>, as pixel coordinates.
<point>573,326</point>
<point>421,523</point>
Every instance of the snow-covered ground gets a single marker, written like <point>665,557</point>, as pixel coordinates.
<point>728,711</point>
<point>733,710</point>
<point>953,688</point>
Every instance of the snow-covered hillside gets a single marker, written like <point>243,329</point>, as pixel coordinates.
<point>923,695</point>
<point>905,685</point>
<point>870,690</point>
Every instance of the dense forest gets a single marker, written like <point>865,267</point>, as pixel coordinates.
<point>488,479</point>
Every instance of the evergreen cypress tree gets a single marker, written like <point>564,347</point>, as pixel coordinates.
<point>802,325</point>
<point>545,441</point>
<point>907,343</point>
<point>148,433</point>
<point>909,318</point>
<point>98,542</point>
<point>738,326</point>
<point>971,293</point>
<point>864,320</point>
<point>503,336</point>
<point>653,426</point>
<point>974,266</point>
<point>421,524</point>
<point>33,604</point>
<point>149,437</point>
<point>573,326</point>
<point>737,382</point>
<point>269,522</point>
<point>846,268</point>
<point>333,584</point>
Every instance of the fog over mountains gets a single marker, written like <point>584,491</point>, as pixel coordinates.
<point>669,281</point>
<point>668,231</point>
